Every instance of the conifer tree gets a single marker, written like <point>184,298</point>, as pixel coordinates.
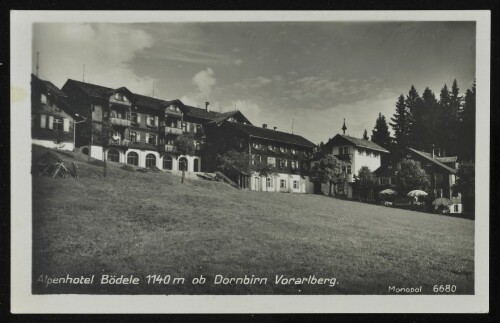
<point>380,134</point>
<point>399,122</point>
<point>468,126</point>
<point>365,135</point>
<point>412,102</point>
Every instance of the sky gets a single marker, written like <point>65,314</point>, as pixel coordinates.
<point>310,75</point>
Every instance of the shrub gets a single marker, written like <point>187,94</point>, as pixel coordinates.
<point>128,168</point>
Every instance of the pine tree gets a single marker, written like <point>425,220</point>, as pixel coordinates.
<point>380,133</point>
<point>365,135</point>
<point>448,118</point>
<point>427,121</point>
<point>399,122</point>
<point>412,101</point>
<point>468,126</point>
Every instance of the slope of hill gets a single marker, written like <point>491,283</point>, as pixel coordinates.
<point>151,224</point>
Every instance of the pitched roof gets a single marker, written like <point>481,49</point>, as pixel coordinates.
<point>362,143</point>
<point>99,91</point>
<point>428,157</point>
<point>271,134</point>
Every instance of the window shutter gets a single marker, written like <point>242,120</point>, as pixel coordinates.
<point>51,122</point>
<point>138,137</point>
<point>156,121</point>
<point>138,119</point>
<point>66,125</point>
<point>43,119</point>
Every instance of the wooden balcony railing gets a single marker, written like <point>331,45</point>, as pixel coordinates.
<point>170,149</point>
<point>119,142</point>
<point>175,131</point>
<point>120,122</point>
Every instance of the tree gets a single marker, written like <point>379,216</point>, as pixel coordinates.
<point>184,145</point>
<point>399,122</point>
<point>412,102</point>
<point>380,134</point>
<point>448,118</point>
<point>329,170</point>
<point>365,135</point>
<point>264,170</point>
<point>426,121</point>
<point>465,185</point>
<point>468,126</point>
<point>364,182</point>
<point>106,134</point>
<point>411,176</point>
<point>234,161</point>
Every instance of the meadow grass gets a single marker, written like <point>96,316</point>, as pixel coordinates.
<point>151,223</point>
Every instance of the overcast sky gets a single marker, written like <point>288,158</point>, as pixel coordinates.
<point>316,73</point>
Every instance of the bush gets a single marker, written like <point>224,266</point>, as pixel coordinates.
<point>128,168</point>
<point>97,162</point>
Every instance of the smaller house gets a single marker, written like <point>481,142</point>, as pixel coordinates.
<point>442,172</point>
<point>52,116</point>
<point>355,153</point>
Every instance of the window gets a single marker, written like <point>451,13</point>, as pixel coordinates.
<point>269,182</point>
<point>150,120</point>
<point>150,160</point>
<point>119,97</point>
<point>197,145</point>
<point>43,99</point>
<point>135,117</point>
<point>256,145</point>
<point>375,154</point>
<point>361,152</point>
<point>255,159</point>
<point>151,139</point>
<point>282,149</point>
<point>271,161</point>
<point>133,158</point>
<point>170,141</point>
<point>293,164</point>
<point>113,155</point>
<point>393,180</point>
<point>282,163</point>
<point>199,129</point>
<point>348,169</point>
<point>344,150</point>
<point>58,124</point>
<point>294,152</point>
<point>270,147</point>
<point>167,162</point>
<point>384,181</point>
<point>368,153</point>
<point>241,143</point>
<point>184,126</point>
<point>282,183</point>
<point>135,137</point>
<point>295,185</point>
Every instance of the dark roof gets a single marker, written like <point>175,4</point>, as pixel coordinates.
<point>271,134</point>
<point>145,101</point>
<point>91,89</point>
<point>60,97</point>
<point>428,157</point>
<point>361,143</point>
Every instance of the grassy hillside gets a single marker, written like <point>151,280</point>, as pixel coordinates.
<point>150,223</point>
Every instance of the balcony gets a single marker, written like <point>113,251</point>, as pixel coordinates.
<point>174,131</point>
<point>120,122</point>
<point>344,157</point>
<point>119,142</point>
<point>170,149</point>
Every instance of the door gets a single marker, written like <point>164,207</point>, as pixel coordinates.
<point>257,185</point>
<point>196,165</point>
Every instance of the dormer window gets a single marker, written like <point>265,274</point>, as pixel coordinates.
<point>344,150</point>
<point>282,149</point>
<point>119,97</point>
<point>270,147</point>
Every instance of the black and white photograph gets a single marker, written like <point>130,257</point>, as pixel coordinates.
<point>300,155</point>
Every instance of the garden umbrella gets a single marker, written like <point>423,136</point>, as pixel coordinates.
<point>442,201</point>
<point>417,193</point>
<point>388,191</point>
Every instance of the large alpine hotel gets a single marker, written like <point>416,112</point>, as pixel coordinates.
<point>145,129</point>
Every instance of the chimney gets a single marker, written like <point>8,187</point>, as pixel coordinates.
<point>206,106</point>
<point>275,128</point>
<point>264,125</point>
